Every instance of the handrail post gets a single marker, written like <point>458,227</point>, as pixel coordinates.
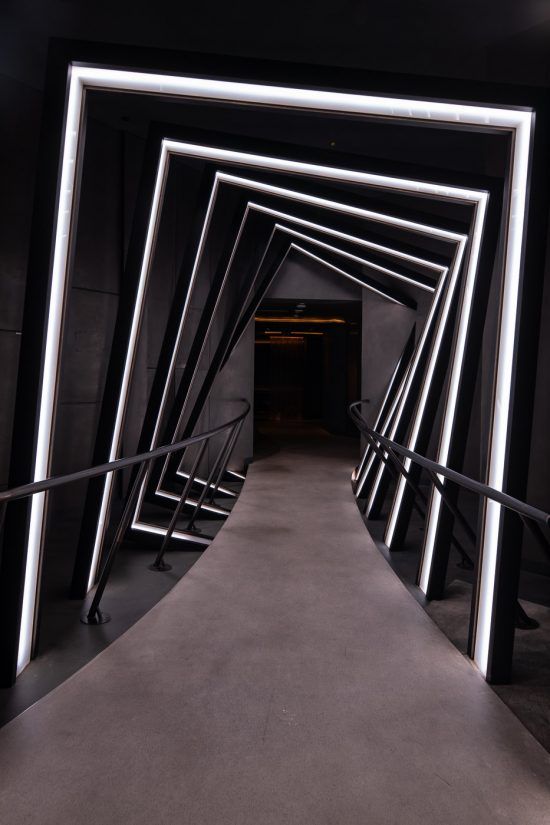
<point>206,487</point>
<point>399,467</point>
<point>531,518</point>
<point>159,565</point>
<point>94,615</point>
<point>86,558</point>
<point>227,456</point>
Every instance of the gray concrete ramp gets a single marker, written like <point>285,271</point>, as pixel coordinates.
<point>288,678</point>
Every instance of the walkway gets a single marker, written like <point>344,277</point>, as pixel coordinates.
<point>288,678</point>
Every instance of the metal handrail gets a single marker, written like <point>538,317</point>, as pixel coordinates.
<point>25,490</point>
<point>518,506</point>
<point>93,615</point>
<point>388,452</point>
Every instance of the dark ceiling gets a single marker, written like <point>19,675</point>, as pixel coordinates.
<point>498,40</point>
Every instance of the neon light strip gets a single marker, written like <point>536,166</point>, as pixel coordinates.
<point>275,164</point>
<point>343,253</point>
<point>520,122</point>
<point>50,367</point>
<point>412,259</point>
<point>152,228</point>
<point>178,343</point>
<point>294,196</point>
<point>452,392</point>
<point>352,239</point>
<point>451,405</point>
<point>135,521</point>
<point>360,474</point>
<point>202,481</point>
<point>408,380</point>
<point>238,476</point>
<point>506,359</point>
<point>384,430</point>
<point>356,259</point>
<point>426,386</point>
<point>283,96</point>
<point>345,274</point>
<point>198,260</point>
<point>161,531</point>
<point>341,175</point>
<point>210,508</point>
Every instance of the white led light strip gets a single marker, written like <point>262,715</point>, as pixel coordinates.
<point>295,196</point>
<point>363,468</point>
<point>274,164</point>
<point>426,386</point>
<point>435,268</point>
<point>136,523</point>
<point>202,483</point>
<point>403,395</point>
<point>446,431</point>
<point>483,117</point>
<point>361,261</point>
<point>336,251</point>
<point>345,274</point>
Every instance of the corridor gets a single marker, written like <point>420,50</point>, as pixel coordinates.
<point>289,677</point>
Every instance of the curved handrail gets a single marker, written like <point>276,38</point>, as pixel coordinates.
<point>520,507</point>
<point>25,490</point>
<point>93,615</point>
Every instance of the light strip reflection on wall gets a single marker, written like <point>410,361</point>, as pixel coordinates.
<point>483,117</point>
<point>425,390</point>
<point>145,527</point>
<point>454,381</point>
<point>356,259</point>
<point>236,474</point>
<point>384,429</point>
<point>177,148</point>
<point>362,470</point>
<point>49,369</point>
<point>202,483</point>
<point>209,507</point>
<point>336,250</point>
<point>509,321</point>
<point>345,275</point>
<point>402,396</point>
<point>446,430</point>
<point>141,497</point>
<point>435,268</point>
<point>412,226</point>
<point>152,227</point>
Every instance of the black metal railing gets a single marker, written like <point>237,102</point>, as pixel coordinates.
<point>392,454</point>
<point>144,462</point>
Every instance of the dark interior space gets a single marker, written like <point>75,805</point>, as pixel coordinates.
<point>307,366</point>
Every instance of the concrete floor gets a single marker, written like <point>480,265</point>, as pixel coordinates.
<point>289,677</point>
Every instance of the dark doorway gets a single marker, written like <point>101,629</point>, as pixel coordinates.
<point>307,367</point>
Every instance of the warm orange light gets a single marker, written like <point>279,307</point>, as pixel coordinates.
<point>282,339</point>
<point>267,319</point>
